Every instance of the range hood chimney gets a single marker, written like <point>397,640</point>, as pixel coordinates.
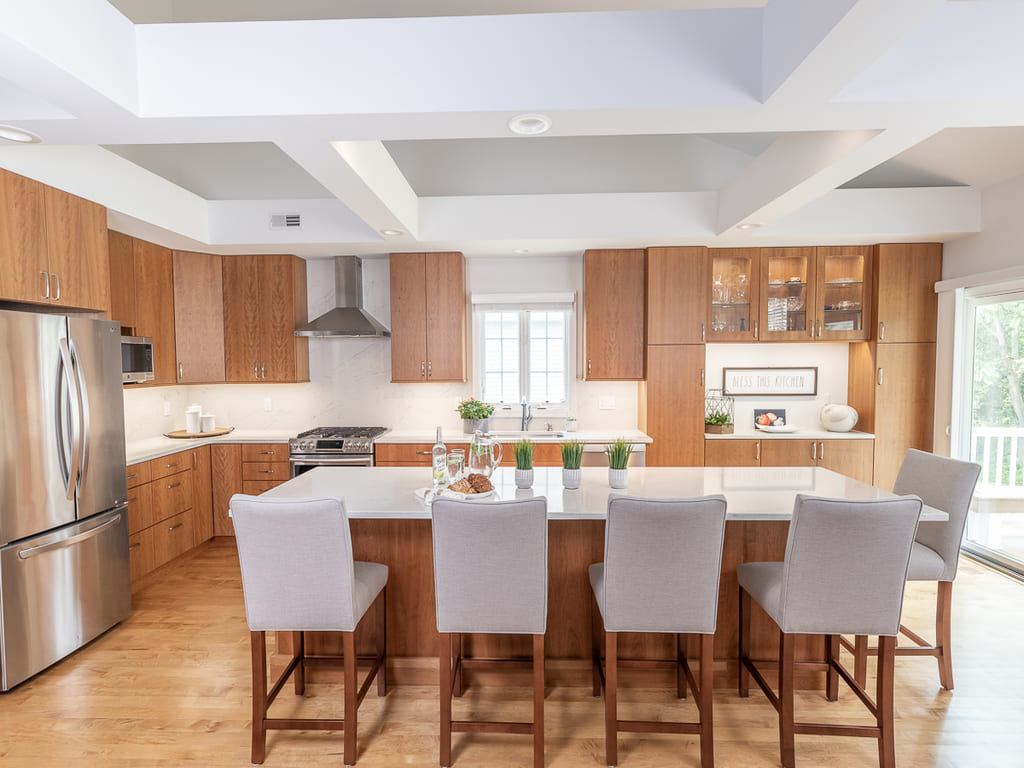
<point>348,318</point>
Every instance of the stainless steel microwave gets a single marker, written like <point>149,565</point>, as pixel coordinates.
<point>136,359</point>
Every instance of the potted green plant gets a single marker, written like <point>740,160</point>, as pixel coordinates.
<point>618,459</point>
<point>718,422</point>
<point>572,457</point>
<point>475,415</point>
<point>523,451</point>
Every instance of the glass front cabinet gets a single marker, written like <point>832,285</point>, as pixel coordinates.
<point>843,288</point>
<point>734,294</point>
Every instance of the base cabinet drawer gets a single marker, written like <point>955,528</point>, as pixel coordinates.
<point>172,495</point>
<point>172,537</point>
<point>140,508</point>
<point>265,452</point>
<point>141,554</point>
<point>168,465</point>
<point>256,487</point>
<point>409,454</point>
<point>265,471</point>
<point>138,474</point>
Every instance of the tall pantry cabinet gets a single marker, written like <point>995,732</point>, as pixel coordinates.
<point>672,396</point>
<point>892,377</point>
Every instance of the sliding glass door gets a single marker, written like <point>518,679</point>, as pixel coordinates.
<point>991,410</point>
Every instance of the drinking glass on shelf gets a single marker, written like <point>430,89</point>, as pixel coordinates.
<point>718,291</point>
<point>456,464</point>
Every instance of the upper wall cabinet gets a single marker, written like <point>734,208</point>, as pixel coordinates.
<point>842,293</point>
<point>428,317</point>
<point>614,282</point>
<point>735,275</point>
<point>677,295</point>
<point>906,305</point>
<point>264,302</point>
<point>53,246</point>
<point>787,304</point>
<point>198,318</point>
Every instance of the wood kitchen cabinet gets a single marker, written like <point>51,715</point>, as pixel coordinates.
<point>672,405</point>
<point>428,317</point>
<point>250,468</point>
<point>787,303</point>
<point>847,456</point>
<point>414,454</point>
<point>202,488</point>
<point>678,288</point>
<point>53,247</point>
<point>842,293</point>
<point>264,302</point>
<point>614,282</point>
<point>906,305</point>
<point>198,318</point>
<point>121,250</point>
<point>735,294</point>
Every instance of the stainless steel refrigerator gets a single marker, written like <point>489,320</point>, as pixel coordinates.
<point>64,576</point>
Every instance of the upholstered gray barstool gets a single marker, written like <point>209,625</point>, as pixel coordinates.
<point>662,562</point>
<point>490,577</point>
<point>298,575</point>
<point>844,573</point>
<point>945,484</point>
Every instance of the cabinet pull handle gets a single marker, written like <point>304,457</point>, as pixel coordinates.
<point>430,369</point>
<point>821,451</point>
<point>881,373</point>
<point>174,485</point>
<point>757,451</point>
<point>267,471</point>
<point>423,369</point>
<point>881,330</point>
<point>133,499</point>
<point>814,451</point>
<point>702,338</point>
<point>267,453</point>
<point>132,477</point>
<point>172,465</point>
<point>255,370</point>
<point>46,284</point>
<point>181,371</point>
<point>195,459</point>
<point>56,278</point>
<point>819,324</point>
<point>263,370</point>
<point>175,527</point>
<point>134,546</point>
<point>589,366</point>
<point>702,377</point>
<point>755,329</point>
<point>423,453</point>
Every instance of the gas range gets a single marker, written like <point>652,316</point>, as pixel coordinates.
<point>332,440</point>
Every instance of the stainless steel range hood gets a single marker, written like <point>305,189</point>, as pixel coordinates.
<point>348,318</point>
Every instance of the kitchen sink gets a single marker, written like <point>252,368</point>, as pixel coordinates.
<point>530,433</point>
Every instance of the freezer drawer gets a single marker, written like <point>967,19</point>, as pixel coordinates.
<point>59,591</point>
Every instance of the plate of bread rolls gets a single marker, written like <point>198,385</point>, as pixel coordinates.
<point>473,486</point>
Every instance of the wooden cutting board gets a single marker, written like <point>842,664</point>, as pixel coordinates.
<point>181,434</point>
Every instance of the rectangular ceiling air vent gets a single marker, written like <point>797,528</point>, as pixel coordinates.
<point>285,221</point>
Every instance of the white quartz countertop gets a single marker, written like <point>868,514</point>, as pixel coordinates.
<point>588,436</point>
<point>155,447</point>
<point>749,433</point>
<point>753,493</point>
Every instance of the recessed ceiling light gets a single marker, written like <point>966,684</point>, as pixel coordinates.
<point>392,232</point>
<point>19,135</point>
<point>521,250</point>
<point>748,225</point>
<point>529,125</point>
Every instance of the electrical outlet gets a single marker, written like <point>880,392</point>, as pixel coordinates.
<point>167,408</point>
<point>606,402</point>
<point>267,406</point>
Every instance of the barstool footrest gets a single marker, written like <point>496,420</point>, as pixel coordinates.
<point>656,726</point>
<point>491,726</point>
<point>302,724</point>
<point>831,729</point>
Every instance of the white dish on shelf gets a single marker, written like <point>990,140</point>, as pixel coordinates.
<point>786,428</point>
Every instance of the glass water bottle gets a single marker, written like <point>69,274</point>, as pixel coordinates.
<point>439,454</point>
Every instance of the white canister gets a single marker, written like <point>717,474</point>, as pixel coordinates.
<point>209,422</point>
<point>193,419</point>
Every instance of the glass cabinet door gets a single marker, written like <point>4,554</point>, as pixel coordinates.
<point>843,291</point>
<point>734,294</point>
<point>787,308</point>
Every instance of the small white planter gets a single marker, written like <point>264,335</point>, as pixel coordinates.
<point>524,478</point>
<point>571,478</point>
<point>617,477</point>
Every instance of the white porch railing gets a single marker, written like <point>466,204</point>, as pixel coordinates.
<point>998,450</point>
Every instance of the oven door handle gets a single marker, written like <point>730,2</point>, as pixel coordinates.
<point>331,461</point>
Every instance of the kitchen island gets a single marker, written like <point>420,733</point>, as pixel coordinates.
<point>391,525</point>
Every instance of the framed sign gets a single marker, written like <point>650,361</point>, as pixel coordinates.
<point>770,381</point>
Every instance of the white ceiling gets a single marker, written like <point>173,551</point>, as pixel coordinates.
<point>673,122</point>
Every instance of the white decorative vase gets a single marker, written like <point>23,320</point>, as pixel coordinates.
<point>617,477</point>
<point>571,478</point>
<point>838,418</point>
<point>524,478</point>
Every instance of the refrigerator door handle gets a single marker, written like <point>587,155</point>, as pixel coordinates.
<point>25,554</point>
<point>83,409</point>
<point>72,473</point>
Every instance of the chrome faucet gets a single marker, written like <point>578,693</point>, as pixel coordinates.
<point>527,415</point>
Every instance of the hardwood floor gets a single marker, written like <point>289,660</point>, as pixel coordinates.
<point>170,687</point>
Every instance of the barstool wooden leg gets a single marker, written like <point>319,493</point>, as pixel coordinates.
<point>258,641</point>
<point>786,658</point>
<point>831,676</point>
<point>299,646</point>
<point>348,646</point>
<point>860,660</point>
<point>538,701</point>
<point>682,641</point>
<point>382,642</point>
<point>943,633</point>
<point>884,701</point>
<point>611,674</point>
<point>744,675</point>
<point>707,674</point>
<point>595,644</point>
<point>445,665</point>
<point>459,688</point>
